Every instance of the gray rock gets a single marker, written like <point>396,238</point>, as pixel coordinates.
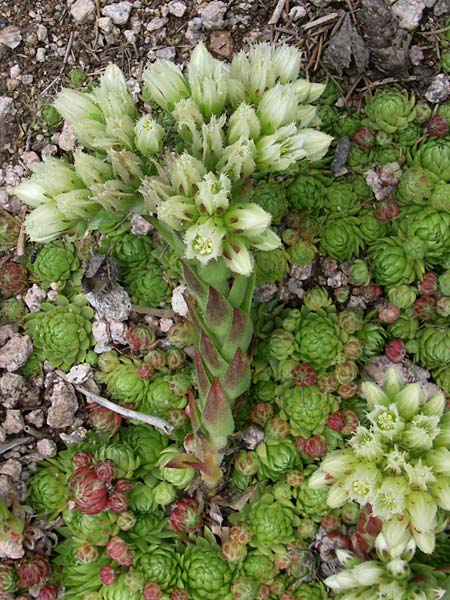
<point>409,13</point>
<point>63,407</point>
<point>6,332</point>
<point>297,12</point>
<point>42,34</point>
<point>6,106</point>
<point>82,10</point>
<point>40,55</point>
<point>167,53</point>
<point>10,36</point>
<point>67,138</point>
<point>12,389</point>
<point>12,468</point>
<point>156,23</point>
<point>75,437</point>
<point>35,417</point>
<point>13,422</point>
<point>213,14</point>
<point>442,7</point>
<point>118,13</point>
<point>14,354</point>
<point>46,448</point>
<point>177,8</point>
<point>439,89</point>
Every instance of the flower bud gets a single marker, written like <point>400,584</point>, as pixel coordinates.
<point>306,91</point>
<point>315,143</point>
<point>398,568</point>
<point>213,193</point>
<point>243,123</point>
<point>164,84</point>
<point>249,219</point>
<point>237,257</point>
<point>344,580</point>
<point>238,159</point>
<point>213,141</point>
<point>440,491</point>
<point>186,172</point>
<point>148,136</point>
<point>439,460</point>
<point>422,511</point>
<point>278,107</point>
<point>286,63</point>
<point>409,400</point>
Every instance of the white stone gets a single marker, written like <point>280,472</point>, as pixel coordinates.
<point>165,324</point>
<point>14,354</point>
<point>297,12</point>
<point>12,468</point>
<point>167,53</point>
<point>67,138</point>
<point>213,14</point>
<point>33,298</point>
<point>13,422</point>
<point>156,23</point>
<point>102,337</point>
<point>40,55</point>
<point>42,34</point>
<point>46,448</point>
<point>6,106</point>
<point>118,13</point>
<point>63,407</point>
<point>179,305</point>
<point>409,13</point>
<point>439,89</point>
<point>82,10</point>
<point>177,8</point>
<point>10,36</point>
<point>105,24</point>
<point>79,374</point>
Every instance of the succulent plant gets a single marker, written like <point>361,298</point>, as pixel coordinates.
<point>430,346</point>
<point>13,279</point>
<point>61,334</point>
<point>307,409</point>
<point>271,523</point>
<point>430,226</point>
<point>205,574</point>
<point>160,564</point>
<point>396,463</point>
<point>390,110</point>
<point>393,265</point>
<point>270,267</point>
<point>272,198</point>
<point>306,192</point>
<point>47,490</point>
<point>55,263</point>
<point>88,491</point>
<point>9,231</point>
<point>8,578</point>
<point>13,310</point>
<point>147,286</point>
<point>317,337</point>
<point>277,456</point>
<point>341,238</point>
<point>433,154</point>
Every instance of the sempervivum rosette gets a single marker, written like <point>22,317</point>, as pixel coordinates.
<point>390,110</point>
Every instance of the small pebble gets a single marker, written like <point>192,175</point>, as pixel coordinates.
<point>177,8</point>
<point>12,468</point>
<point>118,13</point>
<point>13,422</point>
<point>46,448</point>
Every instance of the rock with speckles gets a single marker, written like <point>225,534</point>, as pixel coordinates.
<point>118,13</point>
<point>213,14</point>
<point>82,10</point>
<point>64,405</point>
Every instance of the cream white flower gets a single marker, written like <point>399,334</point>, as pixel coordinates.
<point>91,169</point>
<point>177,212</point>
<point>315,143</point>
<point>46,222</point>
<point>238,159</point>
<point>243,123</point>
<point>265,241</point>
<point>204,241</point>
<point>278,107</point>
<point>31,193</point>
<point>76,204</point>
<point>164,84</point>
<point>367,445</point>
<point>112,94</point>
<point>440,491</point>
<point>213,138</point>
<point>213,193</point>
<point>362,483</point>
<point>148,136</point>
<point>286,63</point>
<point>154,190</point>
<point>186,173</point>
<point>237,256</point>
<point>248,219</point>
<point>422,511</point>
<point>389,499</point>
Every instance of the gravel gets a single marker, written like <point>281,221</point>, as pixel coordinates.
<point>118,13</point>
<point>64,405</point>
<point>83,10</point>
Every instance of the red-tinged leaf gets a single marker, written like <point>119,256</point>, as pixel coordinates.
<point>217,416</point>
<point>211,357</point>
<point>202,378</point>
<point>239,336</point>
<point>194,413</point>
<point>184,461</point>
<point>241,292</point>
<point>210,459</point>
<point>218,313</point>
<point>237,377</point>
<point>196,287</point>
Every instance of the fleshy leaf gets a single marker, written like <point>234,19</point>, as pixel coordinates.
<point>237,377</point>
<point>217,416</point>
